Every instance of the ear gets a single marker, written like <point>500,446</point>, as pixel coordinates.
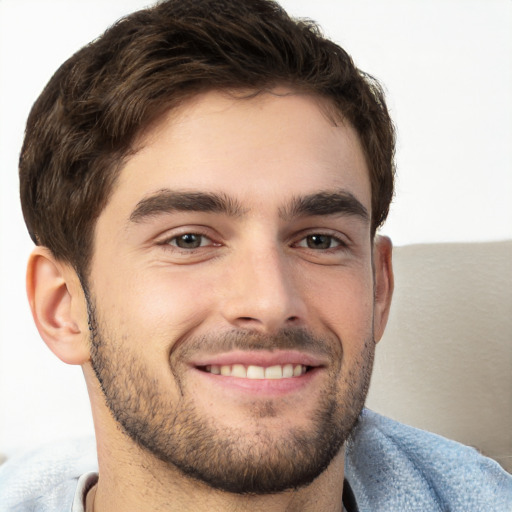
<point>383,283</point>
<point>58,306</point>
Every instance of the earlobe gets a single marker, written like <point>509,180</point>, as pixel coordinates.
<point>58,306</point>
<point>383,283</point>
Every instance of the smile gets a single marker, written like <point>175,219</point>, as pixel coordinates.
<point>285,371</point>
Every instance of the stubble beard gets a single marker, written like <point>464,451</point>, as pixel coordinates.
<point>229,458</point>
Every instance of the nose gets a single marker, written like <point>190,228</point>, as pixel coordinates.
<point>261,292</point>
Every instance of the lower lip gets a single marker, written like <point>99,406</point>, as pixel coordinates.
<point>263,387</point>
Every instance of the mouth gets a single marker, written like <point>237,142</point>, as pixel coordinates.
<point>242,371</point>
<point>260,372</point>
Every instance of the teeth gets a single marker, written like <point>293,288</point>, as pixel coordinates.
<point>288,371</point>
<point>238,370</point>
<point>258,372</point>
<point>255,372</point>
<point>274,372</point>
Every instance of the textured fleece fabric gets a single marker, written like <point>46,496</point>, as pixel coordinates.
<point>390,467</point>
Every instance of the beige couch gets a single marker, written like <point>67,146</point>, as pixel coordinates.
<point>445,362</point>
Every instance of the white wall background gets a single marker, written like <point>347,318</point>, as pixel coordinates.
<point>447,67</point>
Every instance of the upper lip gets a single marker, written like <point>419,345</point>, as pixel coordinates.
<point>259,358</point>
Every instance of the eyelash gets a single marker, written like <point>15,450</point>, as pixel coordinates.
<point>173,242</point>
<point>339,243</point>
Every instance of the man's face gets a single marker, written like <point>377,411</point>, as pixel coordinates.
<point>231,291</point>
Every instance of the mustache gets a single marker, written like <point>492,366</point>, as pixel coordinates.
<point>285,339</point>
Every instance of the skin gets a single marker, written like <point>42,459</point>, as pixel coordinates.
<point>261,269</point>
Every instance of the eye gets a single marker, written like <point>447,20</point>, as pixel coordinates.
<point>319,241</point>
<point>190,241</point>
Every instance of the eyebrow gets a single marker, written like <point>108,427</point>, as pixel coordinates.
<point>320,203</point>
<point>167,201</point>
<point>325,203</point>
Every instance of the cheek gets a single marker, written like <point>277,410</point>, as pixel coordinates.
<point>344,304</point>
<point>154,307</point>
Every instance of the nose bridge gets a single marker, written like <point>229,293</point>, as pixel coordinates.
<point>262,290</point>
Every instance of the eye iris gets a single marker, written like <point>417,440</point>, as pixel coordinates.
<point>319,241</point>
<point>189,241</point>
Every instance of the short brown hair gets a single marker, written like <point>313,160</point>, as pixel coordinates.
<point>83,126</point>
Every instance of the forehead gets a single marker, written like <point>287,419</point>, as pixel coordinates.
<point>261,149</point>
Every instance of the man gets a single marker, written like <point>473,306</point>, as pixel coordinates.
<point>204,184</point>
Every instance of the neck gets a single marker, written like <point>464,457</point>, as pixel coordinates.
<point>144,484</point>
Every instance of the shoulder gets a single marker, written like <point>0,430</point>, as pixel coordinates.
<point>46,478</point>
<point>391,466</point>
